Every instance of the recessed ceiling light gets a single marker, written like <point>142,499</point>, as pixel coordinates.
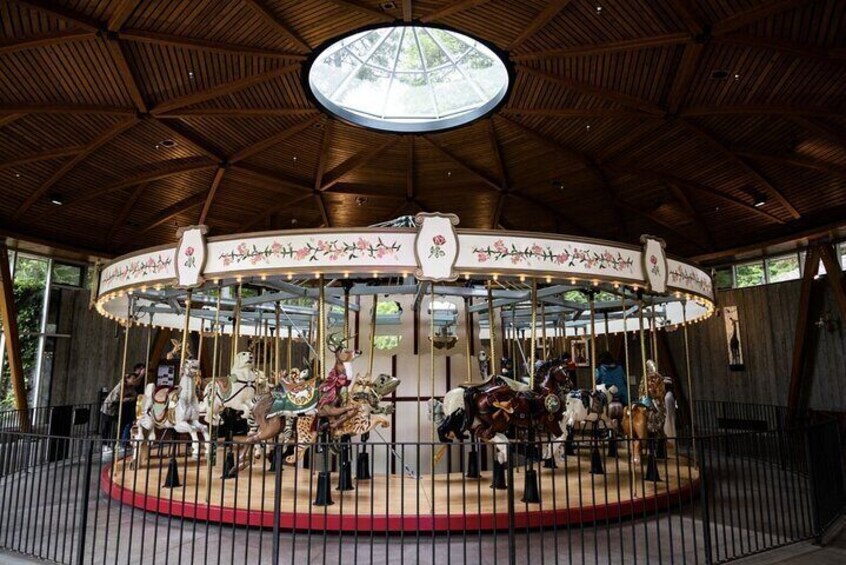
<point>56,200</point>
<point>587,127</point>
<point>558,184</point>
<point>719,74</point>
<point>360,201</point>
<point>736,76</point>
<point>166,143</point>
<point>191,74</point>
<point>388,6</point>
<point>760,200</point>
<point>599,9</point>
<point>293,221</point>
<point>17,175</point>
<point>295,157</point>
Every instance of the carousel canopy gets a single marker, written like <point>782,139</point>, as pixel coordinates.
<point>713,124</point>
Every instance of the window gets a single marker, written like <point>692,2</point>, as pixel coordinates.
<point>386,342</point>
<point>749,274</point>
<point>842,249</point>
<point>67,275</point>
<point>408,78</point>
<point>723,278</point>
<point>784,268</point>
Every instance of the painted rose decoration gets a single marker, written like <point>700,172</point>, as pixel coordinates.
<point>437,250</point>
<point>190,259</point>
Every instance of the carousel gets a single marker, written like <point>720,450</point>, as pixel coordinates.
<point>296,413</point>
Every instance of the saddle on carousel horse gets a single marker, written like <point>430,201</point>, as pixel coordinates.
<point>164,401</point>
<point>294,396</point>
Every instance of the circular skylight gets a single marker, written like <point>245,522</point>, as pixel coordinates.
<point>408,78</point>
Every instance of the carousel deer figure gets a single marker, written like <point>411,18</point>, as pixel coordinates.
<point>646,417</point>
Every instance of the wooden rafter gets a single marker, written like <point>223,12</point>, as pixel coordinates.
<point>170,171</point>
<point>120,13</point>
<point>10,119</point>
<point>275,181</point>
<point>407,14</point>
<point>59,11</point>
<point>123,215</point>
<point>580,113</point>
<point>451,9</point>
<point>798,375</point>
<point>237,113</point>
<point>544,17</point>
<point>497,213</point>
<point>656,219</point>
<point>323,157</point>
<point>651,42</point>
<point>464,165</point>
<point>823,130</point>
<point>691,22</point>
<point>155,38</point>
<point>273,210</point>
<point>361,9</point>
<point>223,89</point>
<point>595,91</point>
<point>563,150</point>
<point>276,22</point>
<point>321,205</point>
<point>553,212</point>
<point>45,40</point>
<point>781,45</point>
<point>634,169</point>
<point>199,143</point>
<point>795,161</point>
<point>176,209</point>
<point>634,136</point>
<point>125,73</point>
<point>360,159</point>
<point>616,204</point>
<point>748,169</point>
<point>43,156</point>
<point>682,197</point>
<point>212,192</point>
<point>752,110</point>
<point>100,141</point>
<point>761,11</point>
<point>501,171</point>
<point>836,278</point>
<point>684,75</point>
<point>273,140</point>
<point>69,109</point>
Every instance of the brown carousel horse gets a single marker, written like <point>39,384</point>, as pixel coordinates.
<point>501,405</point>
<point>645,418</point>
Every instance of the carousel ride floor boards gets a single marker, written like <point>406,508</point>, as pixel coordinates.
<point>570,495</point>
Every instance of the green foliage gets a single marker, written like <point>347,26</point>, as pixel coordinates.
<point>750,274</point>
<point>387,307</point>
<point>386,342</point>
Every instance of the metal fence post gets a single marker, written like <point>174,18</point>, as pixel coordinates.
<point>512,541</point>
<point>86,496</point>
<point>277,501</point>
<point>706,514</point>
<point>812,487</point>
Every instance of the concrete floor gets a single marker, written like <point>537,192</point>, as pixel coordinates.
<point>746,516</point>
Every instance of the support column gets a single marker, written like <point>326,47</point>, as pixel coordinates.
<point>803,327</point>
<point>10,329</point>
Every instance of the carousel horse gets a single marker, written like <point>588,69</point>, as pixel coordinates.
<point>237,391</point>
<point>170,408</point>
<point>645,418</point>
<point>500,405</point>
<point>597,408</point>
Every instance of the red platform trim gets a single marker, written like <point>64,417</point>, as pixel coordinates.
<point>317,520</point>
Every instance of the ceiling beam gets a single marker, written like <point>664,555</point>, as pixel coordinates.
<point>121,13</point>
<point>635,170</point>
<point>183,113</point>
<point>451,9</point>
<point>684,76</point>
<point>409,168</point>
<point>651,42</point>
<point>68,109</point>
<point>548,142</point>
<point>163,216</point>
<point>800,50</point>
<point>407,13</point>
<point>212,192</point>
<point>123,215</point>
<point>57,11</point>
<point>625,142</point>
<point>580,113</point>
<point>155,38</point>
<point>753,110</point>
<point>274,140</point>
<point>45,40</point>
<point>98,142</point>
<point>275,181</point>
<point>761,11</point>
<point>275,21</point>
<point>749,170</point>
<point>273,210</point>
<point>360,159</point>
<point>683,199</point>
<point>10,119</point>
<point>544,17</point>
<point>823,130</point>
<point>595,91</point>
<point>366,10</point>
<point>193,139</point>
<point>501,171</point>
<point>321,205</point>
<point>130,84</point>
<point>691,22</point>
<point>655,219</point>
<point>323,157</point>
<point>794,160</point>
<point>43,156</point>
<point>466,166</point>
<point>167,172</point>
<point>223,89</point>
<point>552,211</point>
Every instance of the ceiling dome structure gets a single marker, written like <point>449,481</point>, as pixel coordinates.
<point>408,79</point>
<point>715,125</point>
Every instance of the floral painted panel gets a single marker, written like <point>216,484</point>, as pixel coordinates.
<point>689,278</point>
<point>143,269</point>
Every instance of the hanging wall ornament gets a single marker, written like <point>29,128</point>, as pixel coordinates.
<point>733,339</point>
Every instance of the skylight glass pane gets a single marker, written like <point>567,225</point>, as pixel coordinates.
<point>408,79</point>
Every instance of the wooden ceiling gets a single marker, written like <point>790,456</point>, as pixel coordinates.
<point>614,127</point>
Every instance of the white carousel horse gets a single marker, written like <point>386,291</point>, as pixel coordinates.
<point>585,407</point>
<point>175,408</point>
<point>453,402</point>
<point>237,391</point>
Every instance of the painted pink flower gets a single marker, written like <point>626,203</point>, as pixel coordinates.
<point>439,240</point>
<point>276,247</point>
<point>227,261</point>
<point>561,258</point>
<point>516,259</point>
<point>653,259</point>
<point>482,257</point>
<point>500,246</point>
<point>537,249</point>
<point>301,253</point>
<point>242,248</point>
<point>189,251</point>
<point>361,243</point>
<point>150,262</point>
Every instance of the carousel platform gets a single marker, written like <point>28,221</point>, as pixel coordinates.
<point>569,495</point>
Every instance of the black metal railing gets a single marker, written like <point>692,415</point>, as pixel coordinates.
<point>713,499</point>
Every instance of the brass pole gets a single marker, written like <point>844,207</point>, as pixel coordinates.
<point>432,361</point>
<point>468,331</point>
<point>127,326</point>
<point>689,378</point>
<point>147,354</point>
<point>198,380</point>
<point>186,329</point>
<point>592,340</point>
<point>236,328</point>
<point>290,347</point>
<point>372,350</point>
<point>654,332</point>
<point>346,312</point>
<point>607,337</point>
<point>642,387</point>
<point>321,327</point>
<point>628,395</point>
<point>534,333</point>
<point>492,329</point>
<point>210,413</point>
<point>277,338</point>
<point>546,356</point>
